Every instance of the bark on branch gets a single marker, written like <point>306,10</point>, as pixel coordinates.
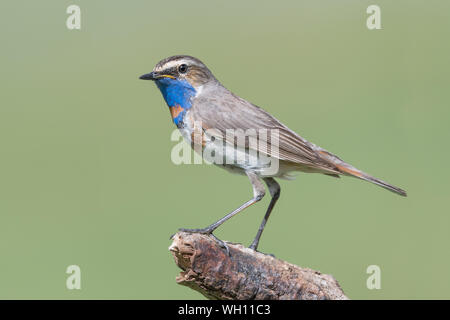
<point>245,274</point>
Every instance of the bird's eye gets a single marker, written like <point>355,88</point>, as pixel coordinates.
<point>182,68</point>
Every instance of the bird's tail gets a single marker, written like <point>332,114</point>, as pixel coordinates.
<point>348,170</point>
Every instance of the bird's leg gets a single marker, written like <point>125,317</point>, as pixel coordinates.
<point>274,189</point>
<point>209,229</point>
<point>258,194</point>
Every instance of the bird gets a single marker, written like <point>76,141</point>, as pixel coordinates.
<point>200,106</point>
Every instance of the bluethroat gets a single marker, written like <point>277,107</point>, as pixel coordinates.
<point>199,103</point>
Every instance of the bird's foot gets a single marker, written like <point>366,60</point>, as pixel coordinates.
<point>201,231</point>
<point>209,232</point>
<point>222,244</point>
<point>254,245</point>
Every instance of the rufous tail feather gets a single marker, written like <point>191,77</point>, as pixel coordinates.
<point>349,170</point>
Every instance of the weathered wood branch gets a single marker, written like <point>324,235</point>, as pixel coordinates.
<point>245,273</point>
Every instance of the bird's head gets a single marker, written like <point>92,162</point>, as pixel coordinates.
<point>181,71</point>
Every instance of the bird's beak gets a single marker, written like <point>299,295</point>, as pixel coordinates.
<point>149,76</point>
<point>155,76</point>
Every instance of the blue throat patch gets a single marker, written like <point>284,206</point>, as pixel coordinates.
<point>178,94</point>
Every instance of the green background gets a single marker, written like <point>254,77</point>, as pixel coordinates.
<point>86,176</point>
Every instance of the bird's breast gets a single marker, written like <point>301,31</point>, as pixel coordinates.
<point>178,114</point>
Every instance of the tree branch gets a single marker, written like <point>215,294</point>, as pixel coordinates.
<point>245,274</point>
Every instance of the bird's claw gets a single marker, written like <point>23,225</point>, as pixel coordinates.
<point>221,244</point>
<point>253,247</point>
<point>201,231</point>
<point>208,232</point>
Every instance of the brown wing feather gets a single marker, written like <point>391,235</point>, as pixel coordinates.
<point>228,111</point>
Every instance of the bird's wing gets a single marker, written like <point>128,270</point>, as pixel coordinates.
<point>227,111</point>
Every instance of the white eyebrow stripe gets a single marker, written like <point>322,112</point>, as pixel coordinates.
<point>170,64</point>
<point>175,63</point>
